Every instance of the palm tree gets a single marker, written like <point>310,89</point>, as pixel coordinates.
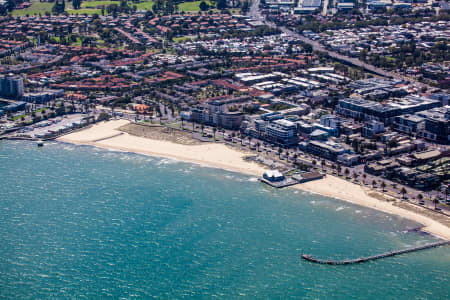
<point>374,183</point>
<point>233,134</point>
<point>322,163</point>
<point>314,162</point>
<point>182,123</point>
<point>355,175</point>
<point>193,126</point>
<point>258,144</point>
<point>214,132</point>
<point>364,177</point>
<point>446,191</point>
<point>295,158</point>
<point>333,166</point>
<point>403,192</point>
<point>203,128</point>
<point>420,197</point>
<point>346,172</point>
<point>339,169</point>
<point>383,185</point>
<point>279,152</point>
<point>436,202</point>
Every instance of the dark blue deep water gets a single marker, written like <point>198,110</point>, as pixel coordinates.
<point>85,223</point>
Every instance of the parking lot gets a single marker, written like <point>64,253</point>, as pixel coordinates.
<point>43,128</point>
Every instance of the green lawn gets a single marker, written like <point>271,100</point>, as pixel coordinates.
<point>84,11</point>
<point>35,8</point>
<point>147,5</point>
<point>191,6</point>
<point>180,39</point>
<point>18,117</point>
<point>89,7</point>
<point>144,5</point>
<point>42,109</point>
<point>94,4</point>
<point>77,43</point>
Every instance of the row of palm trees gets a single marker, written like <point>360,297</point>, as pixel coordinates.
<point>323,164</point>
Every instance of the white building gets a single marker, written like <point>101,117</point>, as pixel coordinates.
<point>282,132</point>
<point>273,175</point>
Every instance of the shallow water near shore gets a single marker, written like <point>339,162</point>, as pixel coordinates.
<point>83,222</point>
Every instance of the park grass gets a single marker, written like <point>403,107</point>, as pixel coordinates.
<point>192,6</point>
<point>146,5</point>
<point>35,8</point>
<point>181,39</point>
<point>390,58</point>
<point>85,11</point>
<point>77,42</point>
<point>89,7</point>
<point>94,4</point>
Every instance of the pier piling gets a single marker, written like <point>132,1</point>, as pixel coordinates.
<point>374,257</point>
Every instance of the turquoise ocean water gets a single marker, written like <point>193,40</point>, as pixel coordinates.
<point>86,223</point>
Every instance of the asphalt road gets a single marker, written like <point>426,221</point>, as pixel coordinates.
<point>255,13</point>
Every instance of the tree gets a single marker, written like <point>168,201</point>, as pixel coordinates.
<point>203,128</point>
<point>76,4</point>
<point>322,163</point>
<point>308,48</point>
<point>374,183</point>
<point>346,172</point>
<point>58,7</point>
<point>403,192</point>
<point>436,202</point>
<point>214,132</point>
<point>221,4</point>
<point>420,197</point>
<point>383,185</point>
<point>446,192</point>
<point>203,6</point>
<point>245,6</point>
<point>279,152</point>
<point>364,177</point>
<point>103,117</point>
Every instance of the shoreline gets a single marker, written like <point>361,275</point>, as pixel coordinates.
<point>105,135</point>
<point>213,155</point>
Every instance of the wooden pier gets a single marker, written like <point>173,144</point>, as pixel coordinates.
<point>374,257</point>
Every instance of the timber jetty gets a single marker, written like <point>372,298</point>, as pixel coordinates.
<point>374,257</point>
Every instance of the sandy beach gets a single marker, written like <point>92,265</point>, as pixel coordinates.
<point>336,187</point>
<point>106,135</point>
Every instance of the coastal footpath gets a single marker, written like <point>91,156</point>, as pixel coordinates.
<point>108,136</point>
